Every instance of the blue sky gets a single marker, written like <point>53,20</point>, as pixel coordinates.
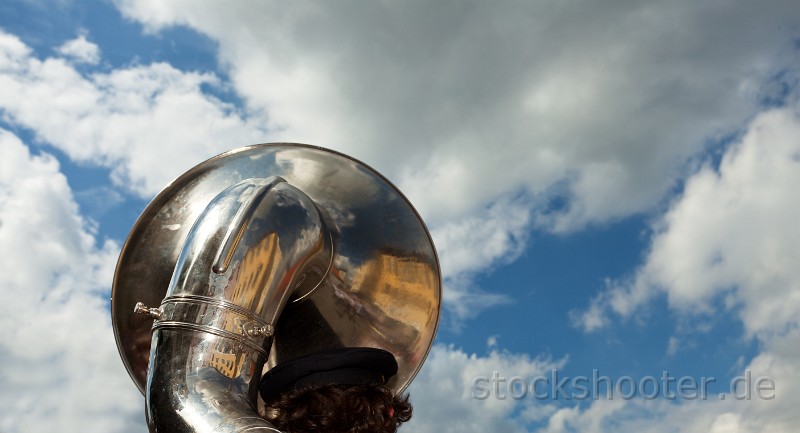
<point>610,187</point>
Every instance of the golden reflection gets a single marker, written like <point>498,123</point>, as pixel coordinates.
<point>257,269</point>
<point>229,364</point>
<point>399,286</point>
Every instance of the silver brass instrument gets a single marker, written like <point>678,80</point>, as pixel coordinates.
<point>258,256</point>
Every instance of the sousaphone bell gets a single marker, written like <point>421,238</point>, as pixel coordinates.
<point>259,256</point>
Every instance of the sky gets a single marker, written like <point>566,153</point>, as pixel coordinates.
<point>612,188</point>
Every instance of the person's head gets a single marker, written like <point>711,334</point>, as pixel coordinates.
<point>335,391</point>
<point>338,409</point>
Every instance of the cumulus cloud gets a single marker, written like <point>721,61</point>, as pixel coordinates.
<point>81,50</point>
<point>60,363</point>
<point>444,401</point>
<point>726,245</point>
<point>443,397</point>
<point>465,103</point>
<point>590,110</point>
<point>778,361</point>
<point>596,107</point>
<point>730,240</point>
<point>148,123</point>
<point>462,107</point>
<point>477,243</point>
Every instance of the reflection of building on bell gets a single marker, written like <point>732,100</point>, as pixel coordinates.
<point>245,264</point>
<point>391,290</point>
<point>397,284</point>
<point>259,265</point>
<point>229,364</point>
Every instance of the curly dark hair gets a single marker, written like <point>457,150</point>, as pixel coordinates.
<point>338,409</point>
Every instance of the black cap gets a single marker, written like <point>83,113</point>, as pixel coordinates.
<point>342,366</point>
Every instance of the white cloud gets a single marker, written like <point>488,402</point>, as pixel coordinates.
<point>592,420</point>
<point>464,104</point>
<point>60,362</point>
<point>148,123</point>
<point>478,243</point>
<point>463,109</point>
<point>596,107</point>
<point>81,50</point>
<point>778,361</point>
<point>673,345</point>
<point>728,245</point>
<point>443,398</point>
<point>730,241</point>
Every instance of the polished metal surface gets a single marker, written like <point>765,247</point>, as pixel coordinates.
<point>256,244</point>
<point>260,255</point>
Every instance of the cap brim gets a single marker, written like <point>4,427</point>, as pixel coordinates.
<point>342,366</point>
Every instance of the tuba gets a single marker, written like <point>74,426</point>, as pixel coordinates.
<point>259,256</point>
